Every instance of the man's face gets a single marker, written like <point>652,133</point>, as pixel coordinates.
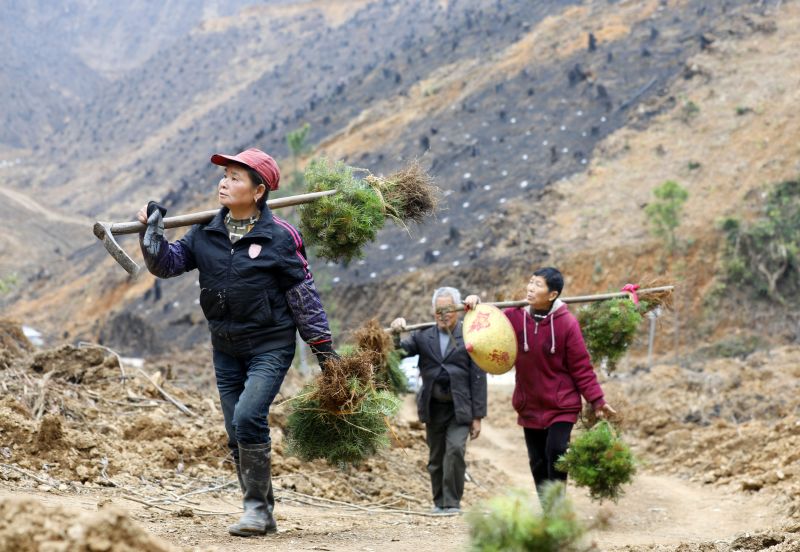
<point>538,296</point>
<point>445,320</point>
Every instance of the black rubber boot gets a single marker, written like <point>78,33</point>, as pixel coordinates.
<point>255,479</point>
<point>239,472</point>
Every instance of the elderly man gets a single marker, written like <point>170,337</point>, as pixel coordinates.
<point>452,399</point>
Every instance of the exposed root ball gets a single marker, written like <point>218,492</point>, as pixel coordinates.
<point>411,193</point>
<point>661,299</point>
<point>371,337</point>
<point>342,385</point>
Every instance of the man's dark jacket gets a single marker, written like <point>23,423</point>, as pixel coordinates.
<point>467,381</point>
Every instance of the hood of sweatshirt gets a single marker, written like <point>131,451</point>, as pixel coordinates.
<point>559,308</point>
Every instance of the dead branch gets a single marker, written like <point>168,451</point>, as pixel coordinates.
<point>108,349</point>
<point>39,405</point>
<point>180,406</point>
<point>26,473</point>
<point>372,510</point>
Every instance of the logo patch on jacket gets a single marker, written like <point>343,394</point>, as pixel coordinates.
<point>254,250</point>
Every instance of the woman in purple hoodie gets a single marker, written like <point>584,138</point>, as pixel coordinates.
<point>553,370</point>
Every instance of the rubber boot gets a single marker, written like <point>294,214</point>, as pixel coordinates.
<point>259,501</point>
<point>239,472</point>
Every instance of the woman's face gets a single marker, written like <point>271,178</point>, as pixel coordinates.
<point>236,190</point>
<point>538,296</point>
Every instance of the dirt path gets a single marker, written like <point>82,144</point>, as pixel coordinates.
<point>656,509</point>
<point>33,206</point>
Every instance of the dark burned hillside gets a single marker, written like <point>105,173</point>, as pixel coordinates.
<point>500,100</point>
<point>57,55</point>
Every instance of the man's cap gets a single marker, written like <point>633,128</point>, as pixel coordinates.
<point>263,164</point>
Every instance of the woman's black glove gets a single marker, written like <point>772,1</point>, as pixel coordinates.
<point>324,353</point>
<point>154,234</point>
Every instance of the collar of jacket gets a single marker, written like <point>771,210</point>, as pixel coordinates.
<point>434,337</point>
<point>558,309</point>
<point>261,229</point>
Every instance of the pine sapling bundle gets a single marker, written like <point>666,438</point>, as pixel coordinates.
<point>509,523</point>
<point>609,327</point>
<point>341,416</point>
<point>599,460</point>
<point>338,226</point>
<point>388,374</point>
<point>393,376</point>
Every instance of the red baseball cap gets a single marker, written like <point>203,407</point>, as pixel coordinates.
<point>263,164</point>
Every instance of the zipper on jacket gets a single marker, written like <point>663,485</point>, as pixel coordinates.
<point>536,327</point>
<point>227,283</point>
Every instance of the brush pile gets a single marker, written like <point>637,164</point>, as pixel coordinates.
<point>341,417</point>
<point>610,326</point>
<point>338,226</point>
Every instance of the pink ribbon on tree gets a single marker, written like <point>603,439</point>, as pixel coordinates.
<point>631,290</point>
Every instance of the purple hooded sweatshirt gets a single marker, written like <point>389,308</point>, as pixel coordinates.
<point>553,368</point>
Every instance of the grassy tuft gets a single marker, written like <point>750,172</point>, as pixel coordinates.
<point>508,523</point>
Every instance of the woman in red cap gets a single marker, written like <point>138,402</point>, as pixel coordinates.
<point>256,292</point>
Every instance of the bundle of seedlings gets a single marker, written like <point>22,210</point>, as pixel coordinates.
<point>341,416</point>
<point>508,523</point>
<point>600,461</point>
<point>609,326</point>
<point>388,375</point>
<point>339,225</point>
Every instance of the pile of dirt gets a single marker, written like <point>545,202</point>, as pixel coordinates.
<point>731,422</point>
<point>784,539</point>
<point>29,525</point>
<point>13,342</point>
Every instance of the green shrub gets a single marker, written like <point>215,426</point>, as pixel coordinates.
<point>732,347</point>
<point>8,283</point>
<point>508,523</point>
<point>297,141</point>
<point>609,328</point>
<point>665,212</point>
<point>763,255</point>
<point>600,461</point>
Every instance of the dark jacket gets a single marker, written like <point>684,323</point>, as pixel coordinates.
<point>255,293</point>
<point>467,381</point>
<point>554,372</point>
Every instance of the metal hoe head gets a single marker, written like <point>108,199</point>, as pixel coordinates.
<point>103,232</point>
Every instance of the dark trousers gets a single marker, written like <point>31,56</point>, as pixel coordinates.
<point>545,446</point>
<point>447,441</point>
<point>247,387</point>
